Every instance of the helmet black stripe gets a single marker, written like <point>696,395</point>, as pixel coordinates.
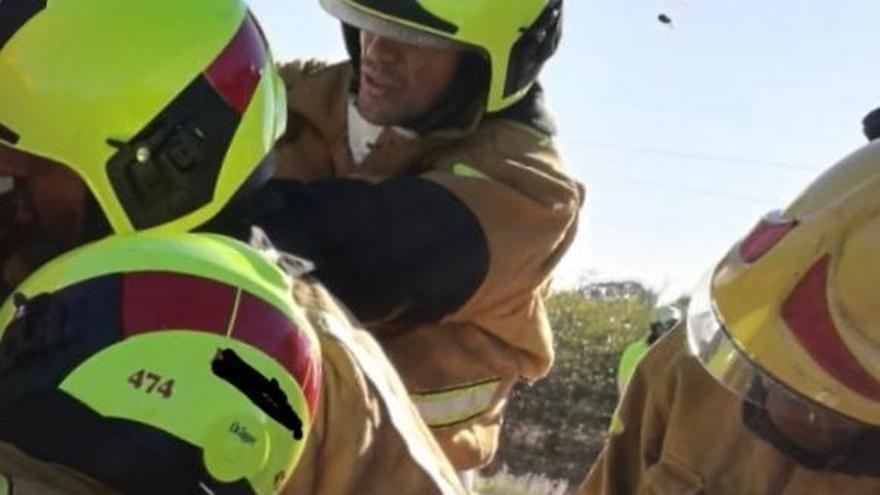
<point>14,14</point>
<point>8,135</point>
<point>171,167</point>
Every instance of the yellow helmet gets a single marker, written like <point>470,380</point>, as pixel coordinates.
<point>164,108</point>
<point>160,363</point>
<point>795,301</point>
<point>515,38</point>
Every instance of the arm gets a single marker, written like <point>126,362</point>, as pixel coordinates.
<point>479,231</point>
<point>404,248</point>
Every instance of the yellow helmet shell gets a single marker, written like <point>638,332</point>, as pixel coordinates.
<point>164,108</point>
<point>798,295</point>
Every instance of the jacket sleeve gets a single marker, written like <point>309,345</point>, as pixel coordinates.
<point>403,249</point>
<point>527,209</point>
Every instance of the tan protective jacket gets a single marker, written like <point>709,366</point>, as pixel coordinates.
<point>461,369</point>
<point>679,432</point>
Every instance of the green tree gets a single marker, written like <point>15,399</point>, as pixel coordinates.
<point>557,426</point>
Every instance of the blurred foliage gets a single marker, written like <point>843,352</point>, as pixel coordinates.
<point>557,426</point>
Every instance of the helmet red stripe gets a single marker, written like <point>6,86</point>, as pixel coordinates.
<point>156,301</point>
<point>236,73</point>
<point>807,315</point>
<point>292,348</point>
<point>763,237</point>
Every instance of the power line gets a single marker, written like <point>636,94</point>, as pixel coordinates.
<point>695,156</point>
<point>598,158</point>
<point>689,190</point>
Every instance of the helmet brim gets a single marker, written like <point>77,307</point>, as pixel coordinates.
<point>711,343</point>
<point>388,27</point>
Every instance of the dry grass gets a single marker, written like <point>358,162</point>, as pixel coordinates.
<point>506,483</point>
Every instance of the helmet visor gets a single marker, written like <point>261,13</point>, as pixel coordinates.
<point>387,26</point>
<point>711,343</point>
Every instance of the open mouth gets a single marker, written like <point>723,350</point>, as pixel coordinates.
<point>375,83</point>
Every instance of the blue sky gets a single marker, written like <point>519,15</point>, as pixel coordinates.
<point>686,135</point>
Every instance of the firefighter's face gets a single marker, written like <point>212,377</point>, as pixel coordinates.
<point>400,82</point>
<point>42,211</point>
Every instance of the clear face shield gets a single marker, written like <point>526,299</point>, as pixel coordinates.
<point>386,27</point>
<point>802,420</point>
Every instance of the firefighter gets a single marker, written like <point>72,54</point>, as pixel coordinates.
<point>427,161</point>
<point>772,385</point>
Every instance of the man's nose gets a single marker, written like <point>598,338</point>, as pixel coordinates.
<point>380,49</point>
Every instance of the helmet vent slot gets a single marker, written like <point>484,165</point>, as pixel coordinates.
<point>14,14</point>
<point>8,135</point>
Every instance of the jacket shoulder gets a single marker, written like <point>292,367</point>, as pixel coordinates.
<point>531,112</point>
<point>520,157</point>
<point>669,350</point>
<point>315,85</point>
<point>299,69</point>
<point>316,102</point>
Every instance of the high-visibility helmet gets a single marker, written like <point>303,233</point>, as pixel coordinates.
<point>515,37</point>
<point>666,316</point>
<point>795,302</point>
<point>160,363</point>
<point>164,108</point>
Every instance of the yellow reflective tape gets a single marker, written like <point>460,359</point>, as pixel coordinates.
<point>464,170</point>
<point>454,406</point>
<point>617,424</point>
